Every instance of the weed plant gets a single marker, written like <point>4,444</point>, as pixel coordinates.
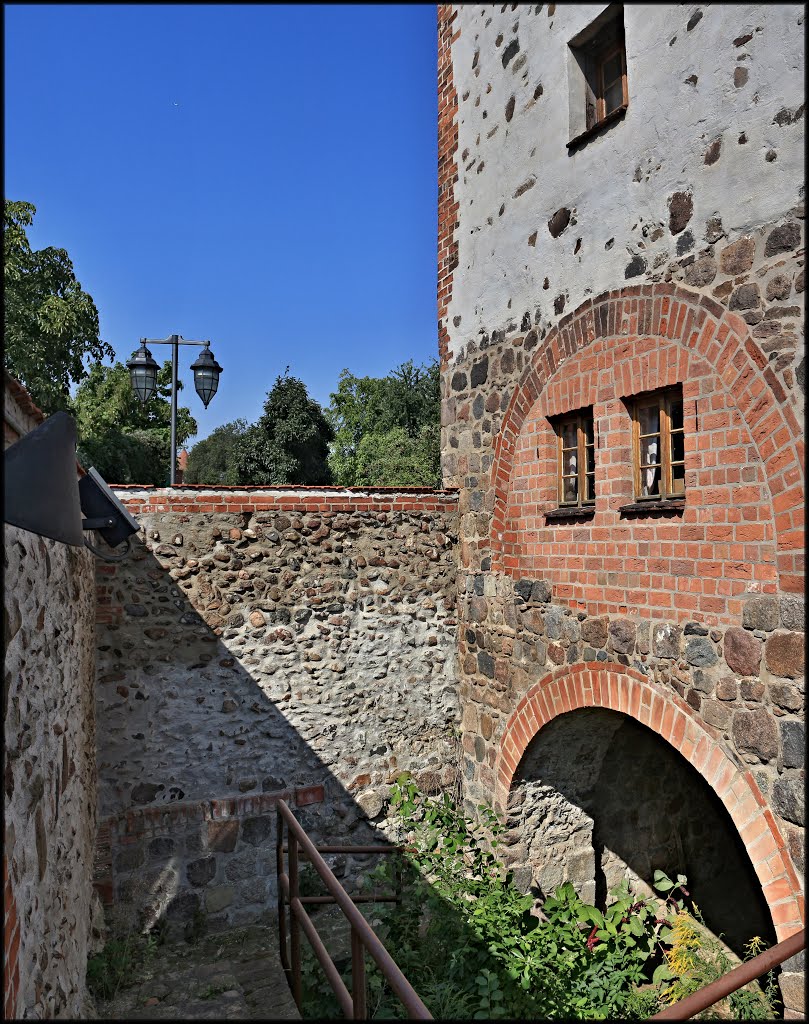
<point>465,937</point>
<point>120,963</point>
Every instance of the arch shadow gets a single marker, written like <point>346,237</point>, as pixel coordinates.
<point>591,685</point>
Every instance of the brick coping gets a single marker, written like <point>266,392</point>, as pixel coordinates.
<point>282,489</point>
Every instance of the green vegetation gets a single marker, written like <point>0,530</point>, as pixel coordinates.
<point>288,445</point>
<point>377,431</point>
<point>50,324</point>
<point>387,429</point>
<point>290,442</point>
<point>466,939</point>
<point>215,459</point>
<point>128,441</point>
<point>120,964</point>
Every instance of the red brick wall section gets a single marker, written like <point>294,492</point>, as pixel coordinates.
<point>697,564</point>
<point>625,690</point>
<point>11,947</point>
<point>742,528</point>
<point>447,171</point>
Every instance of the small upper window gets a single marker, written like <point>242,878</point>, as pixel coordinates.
<point>659,445</point>
<point>605,72</point>
<point>599,92</point>
<point>576,462</point>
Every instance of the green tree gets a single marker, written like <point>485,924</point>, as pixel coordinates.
<point>215,459</point>
<point>50,323</point>
<point>387,429</point>
<point>290,442</point>
<point>394,459</point>
<point>356,410</point>
<point>128,441</point>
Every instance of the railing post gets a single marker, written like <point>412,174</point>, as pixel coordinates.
<point>358,976</point>
<point>294,927</point>
<point>279,872</point>
<point>397,875</point>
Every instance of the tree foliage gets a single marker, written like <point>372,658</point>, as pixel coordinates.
<point>215,459</point>
<point>387,429</point>
<point>50,323</point>
<point>288,445</point>
<point>290,442</point>
<point>395,459</point>
<point>128,441</point>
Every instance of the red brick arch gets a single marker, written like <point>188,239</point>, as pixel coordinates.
<point>704,327</point>
<point>591,684</point>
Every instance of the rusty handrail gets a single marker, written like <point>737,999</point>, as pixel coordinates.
<point>734,980</point>
<point>362,935</point>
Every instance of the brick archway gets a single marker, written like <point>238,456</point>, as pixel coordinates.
<point>592,685</point>
<point>704,327</point>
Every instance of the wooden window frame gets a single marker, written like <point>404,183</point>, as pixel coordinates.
<point>596,55</point>
<point>662,401</point>
<point>601,103</point>
<point>580,418</point>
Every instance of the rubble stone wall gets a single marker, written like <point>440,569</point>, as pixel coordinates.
<point>262,643</point>
<point>49,761</point>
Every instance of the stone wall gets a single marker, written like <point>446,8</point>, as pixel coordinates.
<point>667,249</point>
<point>263,643</point>
<point>49,769</point>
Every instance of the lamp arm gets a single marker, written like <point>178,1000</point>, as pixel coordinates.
<point>110,558</point>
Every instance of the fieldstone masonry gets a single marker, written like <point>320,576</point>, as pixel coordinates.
<point>264,643</point>
<point>665,249</point>
<point>49,762</point>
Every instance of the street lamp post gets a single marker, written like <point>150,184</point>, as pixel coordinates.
<point>143,374</point>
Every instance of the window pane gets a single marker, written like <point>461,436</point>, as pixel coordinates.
<point>569,435</point>
<point>678,479</point>
<point>591,487</point>
<point>588,429</point>
<point>649,417</point>
<point>570,462</point>
<point>612,69</point>
<point>650,481</point>
<point>677,447</point>
<point>676,413</point>
<point>649,450</point>
<point>613,97</point>
<point>570,491</point>
<point>591,460</point>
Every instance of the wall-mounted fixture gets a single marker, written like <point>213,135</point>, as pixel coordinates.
<point>143,374</point>
<point>44,495</point>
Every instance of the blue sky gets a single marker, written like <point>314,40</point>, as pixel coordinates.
<point>260,175</point>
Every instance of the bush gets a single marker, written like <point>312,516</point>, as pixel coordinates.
<point>465,937</point>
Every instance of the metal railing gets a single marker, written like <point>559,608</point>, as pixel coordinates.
<point>363,938</point>
<point>734,980</point>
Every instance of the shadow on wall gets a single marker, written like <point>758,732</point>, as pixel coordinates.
<point>179,861</point>
<point>322,703</point>
<point>599,797</point>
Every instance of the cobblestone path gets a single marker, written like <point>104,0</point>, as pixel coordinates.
<point>233,975</point>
